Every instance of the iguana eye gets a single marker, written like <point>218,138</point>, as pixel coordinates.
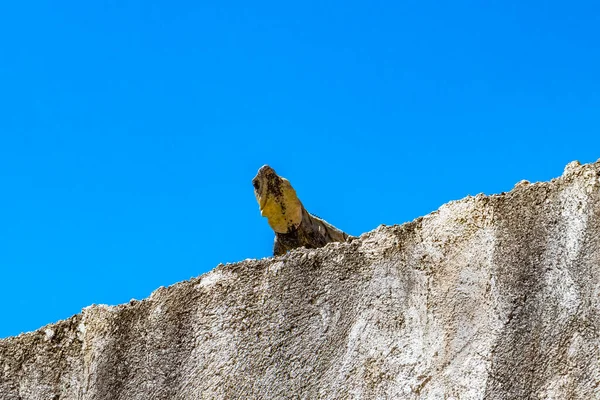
<point>256,184</point>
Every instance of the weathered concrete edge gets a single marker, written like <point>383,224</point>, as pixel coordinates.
<point>76,323</point>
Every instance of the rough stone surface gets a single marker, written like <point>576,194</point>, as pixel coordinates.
<point>487,298</point>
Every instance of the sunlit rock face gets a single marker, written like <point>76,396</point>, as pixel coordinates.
<point>487,298</point>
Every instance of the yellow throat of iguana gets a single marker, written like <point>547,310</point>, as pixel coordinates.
<point>277,200</point>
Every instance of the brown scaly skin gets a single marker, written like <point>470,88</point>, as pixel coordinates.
<point>294,226</point>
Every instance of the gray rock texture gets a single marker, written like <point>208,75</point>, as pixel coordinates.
<point>487,298</point>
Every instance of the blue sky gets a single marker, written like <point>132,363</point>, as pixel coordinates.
<point>130,130</point>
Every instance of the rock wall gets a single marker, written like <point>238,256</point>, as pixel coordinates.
<point>487,298</point>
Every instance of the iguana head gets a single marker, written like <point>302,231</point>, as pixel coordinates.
<point>277,200</point>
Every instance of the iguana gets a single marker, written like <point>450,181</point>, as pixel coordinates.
<point>293,225</point>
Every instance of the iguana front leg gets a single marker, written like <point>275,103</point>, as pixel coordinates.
<point>278,249</point>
